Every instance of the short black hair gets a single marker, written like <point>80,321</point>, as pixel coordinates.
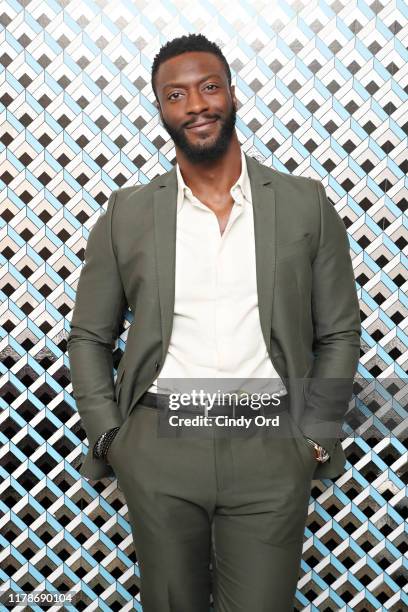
<point>190,42</point>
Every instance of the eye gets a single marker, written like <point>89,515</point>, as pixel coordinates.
<point>177,93</point>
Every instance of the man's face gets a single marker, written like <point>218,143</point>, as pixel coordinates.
<point>192,88</point>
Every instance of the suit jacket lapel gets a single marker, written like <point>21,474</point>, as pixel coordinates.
<point>263,202</point>
<point>165,221</point>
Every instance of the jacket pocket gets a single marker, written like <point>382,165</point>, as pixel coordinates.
<point>292,249</point>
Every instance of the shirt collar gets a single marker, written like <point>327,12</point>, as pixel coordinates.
<point>240,190</point>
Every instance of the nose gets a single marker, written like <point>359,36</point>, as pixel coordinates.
<point>196,103</point>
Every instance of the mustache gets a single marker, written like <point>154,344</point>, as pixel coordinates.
<point>201,120</point>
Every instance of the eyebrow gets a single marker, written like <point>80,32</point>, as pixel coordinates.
<point>175,84</point>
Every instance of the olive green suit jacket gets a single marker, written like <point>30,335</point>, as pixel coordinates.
<point>308,306</point>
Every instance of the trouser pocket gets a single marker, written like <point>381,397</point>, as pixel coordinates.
<point>305,450</point>
<point>112,447</point>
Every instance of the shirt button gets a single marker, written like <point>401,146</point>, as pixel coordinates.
<point>156,365</point>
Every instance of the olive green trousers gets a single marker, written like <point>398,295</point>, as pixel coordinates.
<point>237,503</point>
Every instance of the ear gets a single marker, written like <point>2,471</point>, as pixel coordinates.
<point>233,96</point>
<point>157,105</point>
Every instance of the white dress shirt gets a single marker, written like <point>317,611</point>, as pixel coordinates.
<point>216,327</point>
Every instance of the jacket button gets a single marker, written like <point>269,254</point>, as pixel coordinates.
<point>156,365</point>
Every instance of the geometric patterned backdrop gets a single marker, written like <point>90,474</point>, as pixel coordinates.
<point>323,92</point>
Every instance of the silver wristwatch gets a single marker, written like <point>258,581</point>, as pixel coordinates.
<point>320,453</point>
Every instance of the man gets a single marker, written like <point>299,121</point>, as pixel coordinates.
<point>231,270</point>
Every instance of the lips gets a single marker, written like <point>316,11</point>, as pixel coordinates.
<point>201,124</point>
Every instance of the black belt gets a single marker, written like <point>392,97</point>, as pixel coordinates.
<point>160,401</point>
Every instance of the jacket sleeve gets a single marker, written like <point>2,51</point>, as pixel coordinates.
<point>99,309</point>
<point>337,330</point>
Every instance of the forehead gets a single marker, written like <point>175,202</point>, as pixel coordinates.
<point>188,67</point>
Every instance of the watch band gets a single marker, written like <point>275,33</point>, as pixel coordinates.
<point>101,446</point>
<point>320,453</point>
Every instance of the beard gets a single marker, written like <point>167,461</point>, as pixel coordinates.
<point>203,152</point>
